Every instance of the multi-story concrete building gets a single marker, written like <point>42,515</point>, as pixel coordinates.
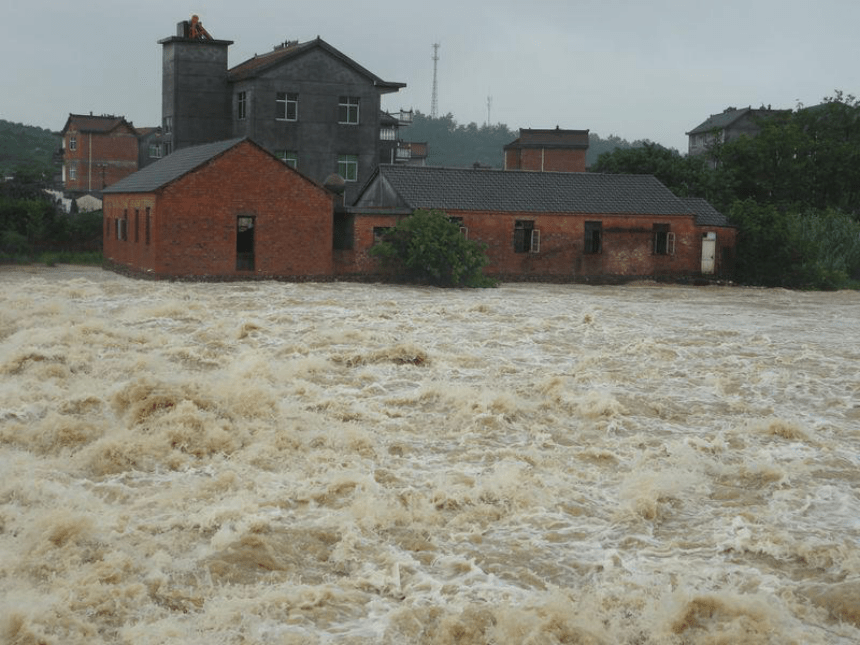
<point>307,103</point>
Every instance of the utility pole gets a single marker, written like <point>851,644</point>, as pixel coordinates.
<point>434,99</point>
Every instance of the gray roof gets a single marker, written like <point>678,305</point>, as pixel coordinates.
<point>518,191</point>
<point>706,215</point>
<point>170,168</point>
<point>719,121</point>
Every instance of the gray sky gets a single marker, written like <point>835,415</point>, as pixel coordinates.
<point>639,70</point>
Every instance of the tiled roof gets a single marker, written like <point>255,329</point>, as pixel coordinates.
<point>90,123</point>
<point>253,67</point>
<point>706,215</point>
<point>523,191</point>
<point>719,121</point>
<point>550,138</point>
<point>170,168</point>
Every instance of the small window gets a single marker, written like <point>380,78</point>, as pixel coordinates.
<point>379,233</point>
<point>147,226</point>
<point>73,143</point>
<point>664,240</point>
<point>459,222</point>
<point>523,229</point>
<point>289,157</point>
<point>347,167</point>
<point>241,105</point>
<point>287,106</point>
<point>154,151</point>
<point>168,124</point>
<point>387,133</point>
<point>347,111</point>
<point>593,242</point>
<point>136,225</point>
<point>73,172</point>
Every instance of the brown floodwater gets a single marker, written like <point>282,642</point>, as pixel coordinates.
<point>346,463</point>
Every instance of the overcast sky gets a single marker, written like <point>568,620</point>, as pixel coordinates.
<point>637,69</point>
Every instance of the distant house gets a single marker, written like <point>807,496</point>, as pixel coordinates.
<point>150,144</point>
<point>726,126</point>
<point>97,151</point>
<point>224,210</point>
<point>307,103</point>
<point>548,225</point>
<point>392,149</point>
<point>548,150</point>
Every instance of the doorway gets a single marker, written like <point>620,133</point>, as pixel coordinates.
<point>709,252</point>
<point>245,243</point>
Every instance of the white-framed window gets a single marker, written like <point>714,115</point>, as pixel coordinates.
<point>73,143</point>
<point>287,106</point>
<point>241,105</point>
<point>289,157</point>
<point>347,110</point>
<point>664,240</point>
<point>155,150</point>
<point>73,172</point>
<point>347,167</point>
<point>526,236</point>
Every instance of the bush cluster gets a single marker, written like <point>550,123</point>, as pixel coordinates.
<point>429,247</point>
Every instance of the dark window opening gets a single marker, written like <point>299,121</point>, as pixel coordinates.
<point>459,222</point>
<point>379,233</point>
<point>661,239</point>
<point>344,232</point>
<point>244,243</point>
<point>136,225</point>
<point>523,231</point>
<point>147,225</point>
<point>593,237</point>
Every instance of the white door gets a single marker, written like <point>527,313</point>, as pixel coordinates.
<point>709,252</point>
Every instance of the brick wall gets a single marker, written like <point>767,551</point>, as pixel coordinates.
<point>627,245</point>
<point>195,221</point>
<point>545,159</point>
<point>100,159</point>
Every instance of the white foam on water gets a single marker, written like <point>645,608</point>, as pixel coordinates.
<point>346,463</point>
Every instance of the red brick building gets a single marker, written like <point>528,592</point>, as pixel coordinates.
<point>97,151</point>
<point>551,225</point>
<point>224,210</point>
<point>548,151</point>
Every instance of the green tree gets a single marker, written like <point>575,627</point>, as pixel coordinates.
<point>429,247</point>
<point>685,176</point>
<point>795,247</point>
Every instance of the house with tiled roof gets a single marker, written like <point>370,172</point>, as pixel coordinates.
<point>307,103</point>
<point>228,210</point>
<point>568,226</point>
<point>97,151</point>
<point>728,125</point>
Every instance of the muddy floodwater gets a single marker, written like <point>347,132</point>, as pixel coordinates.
<point>265,462</point>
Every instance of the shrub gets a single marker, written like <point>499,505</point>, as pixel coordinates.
<point>427,246</point>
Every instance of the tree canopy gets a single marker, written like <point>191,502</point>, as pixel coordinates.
<point>429,247</point>
<point>793,191</point>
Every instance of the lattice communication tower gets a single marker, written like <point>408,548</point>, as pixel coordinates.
<point>434,97</point>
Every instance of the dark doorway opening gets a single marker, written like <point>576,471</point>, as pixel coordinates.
<point>245,243</point>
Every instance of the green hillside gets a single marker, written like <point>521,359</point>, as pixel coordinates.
<point>26,146</point>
